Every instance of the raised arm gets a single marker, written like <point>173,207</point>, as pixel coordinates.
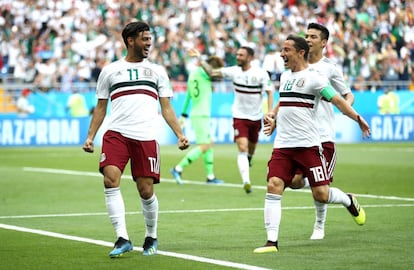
<point>213,73</point>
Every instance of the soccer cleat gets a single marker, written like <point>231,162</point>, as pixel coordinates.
<point>268,248</point>
<point>177,176</point>
<point>121,246</point>
<point>247,187</point>
<point>318,234</point>
<point>356,211</point>
<point>150,246</point>
<point>215,181</point>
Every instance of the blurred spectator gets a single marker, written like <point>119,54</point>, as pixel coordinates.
<point>388,103</point>
<point>82,34</point>
<point>411,82</point>
<point>273,63</point>
<point>76,105</point>
<point>23,105</point>
<point>359,84</point>
<point>46,78</point>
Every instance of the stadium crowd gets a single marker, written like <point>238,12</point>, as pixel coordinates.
<point>55,44</point>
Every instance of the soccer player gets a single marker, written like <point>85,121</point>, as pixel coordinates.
<point>250,84</point>
<point>135,86</point>
<point>297,143</point>
<point>199,90</point>
<point>317,37</point>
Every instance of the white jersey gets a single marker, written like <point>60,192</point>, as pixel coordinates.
<point>325,113</point>
<point>300,94</point>
<point>134,90</point>
<point>250,87</point>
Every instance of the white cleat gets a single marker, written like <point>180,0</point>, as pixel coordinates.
<point>318,234</point>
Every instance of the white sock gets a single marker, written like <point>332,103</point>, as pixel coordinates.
<point>178,168</point>
<point>272,215</point>
<point>338,196</point>
<point>244,169</point>
<point>116,211</point>
<point>150,213</point>
<point>320,213</point>
<point>306,180</point>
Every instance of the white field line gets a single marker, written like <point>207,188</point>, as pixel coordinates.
<point>96,174</point>
<point>194,211</point>
<point>109,244</point>
<point>165,253</point>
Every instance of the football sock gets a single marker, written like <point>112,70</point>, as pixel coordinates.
<point>191,156</point>
<point>338,196</point>
<point>306,180</point>
<point>208,158</point>
<point>272,215</point>
<point>116,211</point>
<point>243,164</point>
<point>249,158</point>
<point>320,211</point>
<point>150,213</point>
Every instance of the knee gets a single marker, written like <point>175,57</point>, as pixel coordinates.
<point>321,197</point>
<point>297,182</point>
<point>145,189</point>
<point>275,185</point>
<point>110,182</point>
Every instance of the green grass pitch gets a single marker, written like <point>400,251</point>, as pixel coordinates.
<point>52,213</point>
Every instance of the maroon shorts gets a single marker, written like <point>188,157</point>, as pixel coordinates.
<point>144,156</point>
<point>329,151</point>
<point>249,129</point>
<point>285,162</point>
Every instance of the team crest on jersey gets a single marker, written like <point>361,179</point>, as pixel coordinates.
<point>103,157</point>
<point>300,82</point>
<point>147,72</point>
<point>254,80</point>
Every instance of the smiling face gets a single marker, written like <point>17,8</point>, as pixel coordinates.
<point>289,54</point>
<point>243,58</point>
<point>139,47</point>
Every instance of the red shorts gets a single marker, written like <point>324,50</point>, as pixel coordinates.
<point>144,156</point>
<point>329,151</point>
<point>285,162</point>
<point>249,129</point>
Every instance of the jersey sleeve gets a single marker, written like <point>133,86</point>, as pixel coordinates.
<point>102,85</point>
<point>164,84</point>
<point>337,81</point>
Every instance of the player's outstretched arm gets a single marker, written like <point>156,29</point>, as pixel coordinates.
<point>346,109</point>
<point>212,73</point>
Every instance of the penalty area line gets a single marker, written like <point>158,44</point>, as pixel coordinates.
<point>109,244</point>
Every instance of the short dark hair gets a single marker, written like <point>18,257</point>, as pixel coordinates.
<point>133,29</point>
<point>249,50</point>
<point>300,44</point>
<point>320,27</point>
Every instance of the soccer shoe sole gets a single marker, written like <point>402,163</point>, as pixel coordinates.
<point>267,249</point>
